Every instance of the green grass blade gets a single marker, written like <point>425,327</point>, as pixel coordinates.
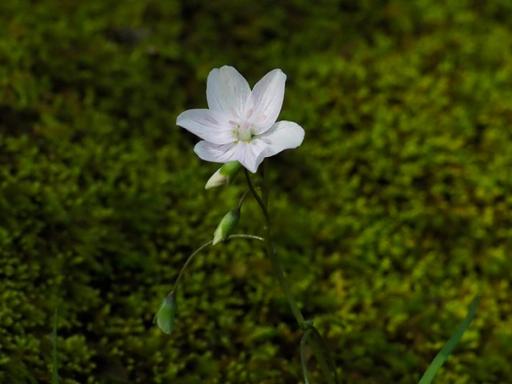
<point>447,349</point>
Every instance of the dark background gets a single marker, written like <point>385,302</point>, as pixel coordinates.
<point>390,217</point>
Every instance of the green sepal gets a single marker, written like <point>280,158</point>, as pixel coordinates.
<point>223,175</point>
<point>166,315</point>
<point>226,226</point>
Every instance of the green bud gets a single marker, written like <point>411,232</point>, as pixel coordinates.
<point>166,314</point>
<point>226,226</point>
<point>223,175</point>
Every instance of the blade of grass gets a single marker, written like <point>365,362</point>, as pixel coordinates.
<point>447,349</point>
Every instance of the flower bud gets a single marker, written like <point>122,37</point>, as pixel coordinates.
<point>166,314</point>
<point>226,226</point>
<point>223,175</point>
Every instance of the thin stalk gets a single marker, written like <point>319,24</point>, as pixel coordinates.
<point>303,358</point>
<point>319,346</point>
<point>206,245</point>
<point>260,202</point>
<point>269,249</point>
<point>245,236</point>
<point>187,262</point>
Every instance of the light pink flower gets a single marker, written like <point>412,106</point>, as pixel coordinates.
<point>240,124</point>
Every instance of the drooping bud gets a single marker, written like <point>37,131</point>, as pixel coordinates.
<point>166,314</point>
<point>223,175</point>
<point>226,226</point>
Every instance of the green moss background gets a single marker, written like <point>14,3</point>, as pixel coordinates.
<point>393,214</point>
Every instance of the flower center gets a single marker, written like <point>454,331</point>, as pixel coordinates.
<point>242,132</point>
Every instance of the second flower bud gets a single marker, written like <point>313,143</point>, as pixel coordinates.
<point>226,226</point>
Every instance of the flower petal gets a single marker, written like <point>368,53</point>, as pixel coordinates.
<point>208,125</point>
<point>283,135</point>
<point>227,91</point>
<point>216,153</point>
<point>250,155</point>
<point>267,99</point>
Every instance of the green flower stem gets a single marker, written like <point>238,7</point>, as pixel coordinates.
<point>303,358</point>
<point>187,262</point>
<point>320,350</point>
<point>165,317</point>
<point>245,236</point>
<point>260,202</point>
<point>204,246</point>
<point>269,248</point>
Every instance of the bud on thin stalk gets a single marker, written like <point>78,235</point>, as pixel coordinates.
<point>166,315</point>
<point>226,226</point>
<point>223,175</point>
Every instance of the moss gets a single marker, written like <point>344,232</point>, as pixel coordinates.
<point>390,217</point>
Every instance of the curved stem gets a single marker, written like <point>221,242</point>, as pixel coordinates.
<point>319,346</point>
<point>187,262</point>
<point>260,202</point>
<point>245,236</point>
<point>303,359</point>
<point>202,247</point>
<point>324,357</point>
<point>269,248</point>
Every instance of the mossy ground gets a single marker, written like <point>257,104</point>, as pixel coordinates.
<point>394,213</point>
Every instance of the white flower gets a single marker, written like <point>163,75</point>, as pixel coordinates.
<point>240,124</point>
